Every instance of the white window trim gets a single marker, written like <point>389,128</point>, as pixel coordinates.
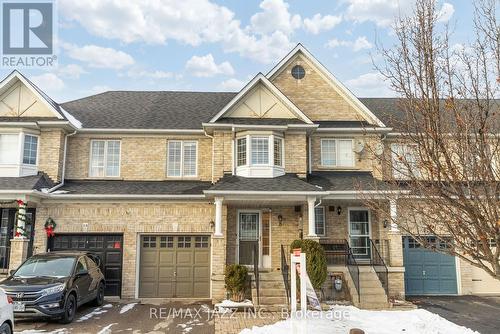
<point>37,149</point>
<point>336,165</point>
<point>324,221</point>
<point>260,170</point>
<point>182,176</point>
<point>105,159</point>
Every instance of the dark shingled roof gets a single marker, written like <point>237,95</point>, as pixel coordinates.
<point>345,181</point>
<point>287,182</point>
<point>147,110</point>
<point>344,124</point>
<point>118,187</point>
<point>260,121</point>
<point>34,182</point>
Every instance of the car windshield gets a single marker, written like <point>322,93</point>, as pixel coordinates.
<point>46,266</point>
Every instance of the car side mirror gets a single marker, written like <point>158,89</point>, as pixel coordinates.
<point>12,271</point>
<point>82,273</point>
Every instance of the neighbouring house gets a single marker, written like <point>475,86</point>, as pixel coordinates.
<point>169,187</point>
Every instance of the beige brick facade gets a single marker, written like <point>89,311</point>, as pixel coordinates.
<point>314,95</point>
<point>51,153</point>
<point>132,219</point>
<point>143,157</point>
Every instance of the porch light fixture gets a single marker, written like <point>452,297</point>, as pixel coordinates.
<point>339,210</point>
<point>385,222</point>
<point>280,220</point>
<point>212,224</point>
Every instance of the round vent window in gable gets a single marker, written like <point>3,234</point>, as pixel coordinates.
<point>298,72</point>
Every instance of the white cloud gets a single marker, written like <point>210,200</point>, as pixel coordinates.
<point>381,12</point>
<point>48,82</point>
<point>319,23</point>
<point>371,84</point>
<point>274,16</point>
<point>191,22</point>
<point>205,66</point>
<point>231,85</point>
<point>446,12</point>
<point>72,71</point>
<point>153,74</point>
<point>99,57</point>
<point>361,43</point>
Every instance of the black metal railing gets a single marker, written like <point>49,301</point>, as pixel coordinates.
<point>255,256</point>
<point>285,270</point>
<point>336,251</point>
<point>353,268</point>
<point>380,267</point>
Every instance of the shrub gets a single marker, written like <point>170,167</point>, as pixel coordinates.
<point>315,260</point>
<point>235,280</point>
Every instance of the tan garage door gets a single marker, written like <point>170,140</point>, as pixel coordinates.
<point>484,284</point>
<point>175,266</point>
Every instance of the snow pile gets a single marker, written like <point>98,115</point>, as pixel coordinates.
<point>127,308</point>
<point>227,305</point>
<point>340,319</point>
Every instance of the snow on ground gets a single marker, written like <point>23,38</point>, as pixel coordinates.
<point>107,329</point>
<point>340,319</point>
<point>127,307</point>
<point>42,331</point>
<point>97,311</point>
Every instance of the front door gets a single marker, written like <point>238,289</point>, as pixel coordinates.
<point>248,237</point>
<point>359,232</point>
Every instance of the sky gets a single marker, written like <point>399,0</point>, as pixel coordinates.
<point>219,45</point>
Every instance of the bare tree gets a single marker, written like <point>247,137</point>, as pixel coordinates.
<point>446,159</point>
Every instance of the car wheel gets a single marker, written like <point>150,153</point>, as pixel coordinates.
<point>99,299</point>
<point>69,310</point>
<point>5,329</point>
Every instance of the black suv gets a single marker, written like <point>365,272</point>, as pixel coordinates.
<point>54,284</point>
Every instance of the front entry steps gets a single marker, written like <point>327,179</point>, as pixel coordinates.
<point>372,294</point>
<point>272,293</point>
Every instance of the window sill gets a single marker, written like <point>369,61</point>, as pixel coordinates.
<point>180,178</point>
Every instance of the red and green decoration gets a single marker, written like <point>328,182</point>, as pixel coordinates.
<point>50,226</point>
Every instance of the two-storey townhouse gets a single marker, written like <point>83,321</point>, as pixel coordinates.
<point>169,187</point>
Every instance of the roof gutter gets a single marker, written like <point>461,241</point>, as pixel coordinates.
<point>123,196</point>
<point>258,192</point>
<point>375,130</point>
<point>116,130</point>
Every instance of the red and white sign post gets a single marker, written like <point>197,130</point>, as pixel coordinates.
<point>298,261</point>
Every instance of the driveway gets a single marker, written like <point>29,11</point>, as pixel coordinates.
<point>477,313</point>
<point>129,317</point>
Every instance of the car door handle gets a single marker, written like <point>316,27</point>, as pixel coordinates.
<point>423,272</point>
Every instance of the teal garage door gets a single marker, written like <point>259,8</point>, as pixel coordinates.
<point>428,272</point>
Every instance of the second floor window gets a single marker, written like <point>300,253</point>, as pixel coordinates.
<point>182,158</point>
<point>263,151</point>
<point>337,153</point>
<point>105,158</point>
<point>404,161</point>
<point>260,150</point>
<point>30,149</point>
<point>9,149</point>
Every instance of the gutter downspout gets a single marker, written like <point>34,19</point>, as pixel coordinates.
<point>63,173</point>
<point>309,154</point>
<point>213,152</point>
